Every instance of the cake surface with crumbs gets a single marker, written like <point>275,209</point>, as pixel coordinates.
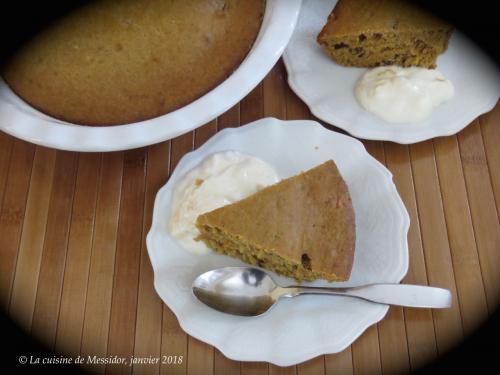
<point>114,62</point>
<point>302,227</point>
<point>368,33</point>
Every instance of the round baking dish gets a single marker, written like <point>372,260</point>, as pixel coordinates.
<point>19,119</point>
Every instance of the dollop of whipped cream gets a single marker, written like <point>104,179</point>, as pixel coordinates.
<point>402,95</point>
<point>220,179</point>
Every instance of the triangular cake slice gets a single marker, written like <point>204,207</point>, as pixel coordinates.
<point>369,33</point>
<point>302,227</point>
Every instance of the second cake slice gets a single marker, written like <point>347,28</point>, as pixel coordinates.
<point>368,33</point>
<point>302,227</point>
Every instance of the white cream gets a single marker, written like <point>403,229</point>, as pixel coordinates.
<point>402,95</point>
<point>220,179</point>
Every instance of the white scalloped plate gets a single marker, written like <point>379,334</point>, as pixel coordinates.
<point>23,121</point>
<point>327,88</point>
<point>299,329</point>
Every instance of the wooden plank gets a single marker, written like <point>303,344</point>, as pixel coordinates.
<point>483,209</point>
<point>204,133</point>
<point>277,370</point>
<point>50,282</point>
<point>296,109</point>
<point>447,322</point>
<point>312,367</point>
<point>466,265</point>
<point>490,128</point>
<point>149,304</point>
<point>394,355</point>
<point>366,353</point>
<point>74,290</point>
<point>179,147</point>
<point>274,86</point>
<point>252,106</point>
<point>251,109</point>
<point>12,214</point>
<point>419,324</point>
<point>339,363</point>
<point>376,149</point>
<point>128,250</point>
<point>29,257</point>
<point>201,355</point>
<point>6,142</point>
<point>334,363</point>
<point>254,368</point>
<point>291,108</point>
<point>223,365</point>
<point>272,104</point>
<point>174,341</point>
<point>102,262</point>
<point>393,345</point>
<point>229,119</point>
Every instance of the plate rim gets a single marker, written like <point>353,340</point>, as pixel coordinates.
<point>375,316</point>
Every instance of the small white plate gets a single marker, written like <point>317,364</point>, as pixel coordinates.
<point>327,88</point>
<point>23,121</point>
<point>301,328</point>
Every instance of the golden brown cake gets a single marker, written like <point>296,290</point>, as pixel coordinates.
<point>302,227</point>
<point>120,61</point>
<point>368,33</point>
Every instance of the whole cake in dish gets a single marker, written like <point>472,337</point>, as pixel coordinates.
<point>368,33</point>
<point>302,227</point>
<point>121,61</point>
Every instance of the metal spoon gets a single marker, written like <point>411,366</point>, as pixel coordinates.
<point>250,291</point>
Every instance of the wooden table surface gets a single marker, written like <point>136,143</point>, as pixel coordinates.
<point>75,274</point>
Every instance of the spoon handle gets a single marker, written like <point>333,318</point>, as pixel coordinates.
<point>389,294</point>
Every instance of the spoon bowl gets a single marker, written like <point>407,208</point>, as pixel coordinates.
<point>236,290</point>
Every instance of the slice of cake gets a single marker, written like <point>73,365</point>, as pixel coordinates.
<point>302,227</point>
<point>368,33</point>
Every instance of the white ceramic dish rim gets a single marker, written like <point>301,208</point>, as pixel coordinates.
<point>20,120</point>
<point>387,134</point>
<point>189,324</point>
